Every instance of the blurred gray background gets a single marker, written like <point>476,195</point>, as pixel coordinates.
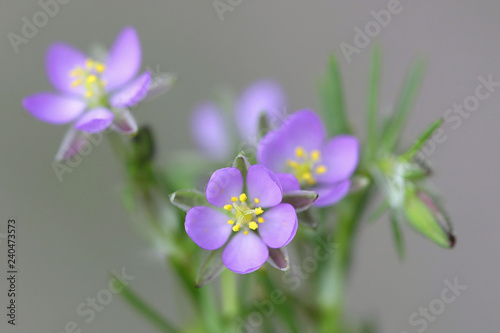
<point>72,233</point>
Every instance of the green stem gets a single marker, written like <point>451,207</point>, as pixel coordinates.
<point>333,279</point>
<point>230,302</point>
<point>145,310</point>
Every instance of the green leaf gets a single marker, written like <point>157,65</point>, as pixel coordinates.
<point>373,102</point>
<point>394,127</point>
<point>417,145</point>
<point>332,100</point>
<point>278,258</point>
<point>210,268</point>
<point>398,236</point>
<point>427,218</point>
<point>379,211</point>
<point>242,164</point>
<point>187,199</point>
<point>300,200</point>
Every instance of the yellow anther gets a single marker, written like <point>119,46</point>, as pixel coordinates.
<point>236,228</point>
<point>100,67</point>
<point>230,222</point>
<point>76,83</point>
<point>256,200</point>
<point>234,199</point>
<point>315,155</point>
<point>243,197</point>
<point>252,225</point>
<point>75,72</point>
<point>258,211</point>
<point>88,93</point>
<point>91,78</point>
<point>228,207</point>
<point>299,152</point>
<point>245,232</point>
<point>89,63</point>
<point>260,220</point>
<point>320,169</point>
<point>292,164</point>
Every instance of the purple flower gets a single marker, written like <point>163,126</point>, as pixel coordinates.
<point>299,148</point>
<point>210,129</point>
<point>93,95</point>
<point>248,218</point>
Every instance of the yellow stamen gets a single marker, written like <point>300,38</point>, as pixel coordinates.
<point>88,93</point>
<point>100,67</point>
<point>315,155</point>
<point>230,222</point>
<point>258,211</point>
<point>256,200</point>
<point>236,228</point>
<point>91,78</point>
<point>234,199</point>
<point>245,232</point>
<point>243,197</point>
<point>228,207</point>
<point>252,225</point>
<point>89,63</point>
<point>260,220</point>
<point>75,72</point>
<point>299,152</point>
<point>76,83</point>
<point>320,169</point>
<point>292,164</point>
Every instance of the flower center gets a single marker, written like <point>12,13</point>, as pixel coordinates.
<point>244,215</point>
<point>90,77</point>
<point>306,166</point>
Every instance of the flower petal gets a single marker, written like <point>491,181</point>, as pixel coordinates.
<point>53,108</point>
<point>262,96</point>
<point>71,144</point>
<point>330,194</point>
<point>302,129</point>
<point>223,185</point>
<point>288,182</point>
<point>95,120</point>
<point>245,253</point>
<point>207,227</point>
<point>340,155</point>
<point>124,59</point>
<point>124,122</point>
<point>279,226</point>
<point>263,185</point>
<point>133,93</point>
<point>210,131</point>
<point>60,60</point>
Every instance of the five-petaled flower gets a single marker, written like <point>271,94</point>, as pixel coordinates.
<point>248,218</point>
<point>299,152</point>
<point>94,94</point>
<point>210,128</point>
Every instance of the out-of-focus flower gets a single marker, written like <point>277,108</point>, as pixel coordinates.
<point>211,130</point>
<point>93,94</point>
<point>247,217</point>
<point>299,148</point>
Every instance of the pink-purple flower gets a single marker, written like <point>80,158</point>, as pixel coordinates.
<point>302,157</point>
<point>92,94</point>
<point>247,218</point>
<point>212,132</point>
